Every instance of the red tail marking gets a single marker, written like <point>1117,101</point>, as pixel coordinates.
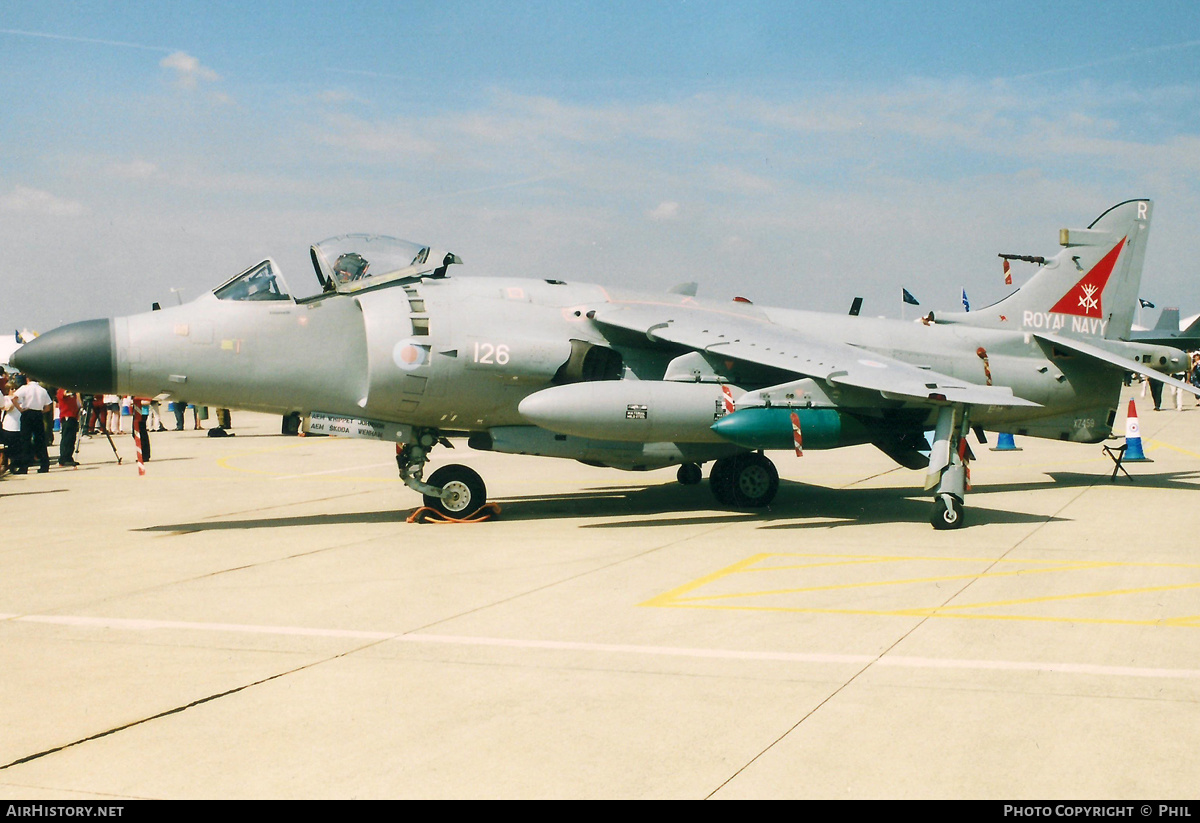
<point>1083,300</point>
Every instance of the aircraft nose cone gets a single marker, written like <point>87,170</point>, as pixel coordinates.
<point>78,356</point>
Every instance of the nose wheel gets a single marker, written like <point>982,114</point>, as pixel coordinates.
<point>462,490</point>
<point>455,490</point>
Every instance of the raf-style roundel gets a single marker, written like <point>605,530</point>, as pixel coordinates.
<point>409,355</point>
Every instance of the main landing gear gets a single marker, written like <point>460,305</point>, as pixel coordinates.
<point>745,481</point>
<point>454,490</point>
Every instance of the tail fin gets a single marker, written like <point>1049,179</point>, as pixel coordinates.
<point>1168,321</point>
<point>1193,330</point>
<point>1087,290</point>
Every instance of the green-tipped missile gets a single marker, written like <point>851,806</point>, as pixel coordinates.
<point>771,428</point>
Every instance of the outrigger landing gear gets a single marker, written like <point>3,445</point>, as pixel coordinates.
<point>689,474</point>
<point>454,490</point>
<point>948,472</point>
<point>745,481</point>
<point>947,512</point>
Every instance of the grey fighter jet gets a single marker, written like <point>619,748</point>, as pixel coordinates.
<point>397,348</point>
<point>1166,332</point>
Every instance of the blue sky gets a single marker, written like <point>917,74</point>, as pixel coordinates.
<point>799,154</point>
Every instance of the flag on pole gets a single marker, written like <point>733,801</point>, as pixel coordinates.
<point>966,305</point>
<point>908,298</point>
<point>1146,304</point>
<point>1007,274</point>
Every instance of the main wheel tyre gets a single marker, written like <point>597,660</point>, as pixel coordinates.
<point>947,512</point>
<point>755,481</point>
<point>465,491</point>
<point>720,480</point>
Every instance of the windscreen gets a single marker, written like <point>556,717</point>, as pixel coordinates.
<point>261,282</point>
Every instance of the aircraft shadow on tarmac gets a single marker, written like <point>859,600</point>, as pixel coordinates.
<point>797,505</point>
<point>6,493</point>
<point>337,519</point>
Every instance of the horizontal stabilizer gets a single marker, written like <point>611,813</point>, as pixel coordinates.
<point>1123,363</point>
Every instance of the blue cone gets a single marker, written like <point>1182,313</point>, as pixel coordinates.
<point>1005,443</point>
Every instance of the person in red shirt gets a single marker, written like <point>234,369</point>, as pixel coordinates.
<point>68,418</point>
<point>139,407</point>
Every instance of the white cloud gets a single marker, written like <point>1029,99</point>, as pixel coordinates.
<point>25,200</point>
<point>399,140</point>
<point>666,210</point>
<point>134,170</point>
<point>189,72</point>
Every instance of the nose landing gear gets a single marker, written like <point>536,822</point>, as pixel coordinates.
<point>461,490</point>
<point>454,490</point>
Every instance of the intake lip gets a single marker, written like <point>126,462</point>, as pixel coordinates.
<point>78,357</point>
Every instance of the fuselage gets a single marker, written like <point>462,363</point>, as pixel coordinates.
<point>459,354</point>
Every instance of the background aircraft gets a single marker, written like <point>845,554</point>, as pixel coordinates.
<point>8,345</point>
<point>1167,332</point>
<point>397,349</point>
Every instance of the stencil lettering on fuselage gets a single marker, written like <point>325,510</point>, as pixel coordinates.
<point>1050,321</point>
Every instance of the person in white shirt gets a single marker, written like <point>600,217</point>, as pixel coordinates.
<point>31,400</point>
<point>10,431</point>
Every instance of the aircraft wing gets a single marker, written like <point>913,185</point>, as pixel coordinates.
<point>1123,363</point>
<point>742,335</point>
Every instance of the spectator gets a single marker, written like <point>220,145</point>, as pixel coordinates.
<point>112,405</point>
<point>154,418</point>
<point>139,424</point>
<point>10,431</point>
<point>99,422</point>
<point>31,400</point>
<point>68,420</point>
<point>1194,372</point>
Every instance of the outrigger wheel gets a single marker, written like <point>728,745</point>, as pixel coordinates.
<point>464,488</point>
<point>689,474</point>
<point>947,512</point>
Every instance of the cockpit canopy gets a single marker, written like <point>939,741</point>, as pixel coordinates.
<point>352,262</point>
<point>259,282</point>
<point>344,264</point>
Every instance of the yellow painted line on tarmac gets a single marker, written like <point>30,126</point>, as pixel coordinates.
<point>329,475</point>
<point>690,594</point>
<point>905,581</point>
<point>670,597</point>
<point>224,462</point>
<point>1158,444</point>
<point>1052,598</point>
